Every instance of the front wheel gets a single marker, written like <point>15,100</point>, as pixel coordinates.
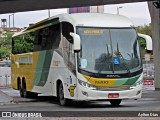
<point>63,101</point>
<point>115,102</point>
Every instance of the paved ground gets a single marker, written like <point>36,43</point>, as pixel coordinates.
<point>149,103</point>
<point>5,98</point>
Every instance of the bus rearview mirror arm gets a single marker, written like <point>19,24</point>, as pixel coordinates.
<point>76,41</point>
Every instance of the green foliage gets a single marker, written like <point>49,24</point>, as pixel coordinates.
<point>145,29</point>
<point>5,45</point>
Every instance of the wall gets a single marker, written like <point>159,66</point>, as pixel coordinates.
<point>5,76</point>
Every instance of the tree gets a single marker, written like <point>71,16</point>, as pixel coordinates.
<point>5,45</point>
<point>145,29</point>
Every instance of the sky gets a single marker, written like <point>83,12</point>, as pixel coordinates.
<point>137,12</point>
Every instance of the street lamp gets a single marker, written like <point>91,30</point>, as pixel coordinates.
<point>118,9</point>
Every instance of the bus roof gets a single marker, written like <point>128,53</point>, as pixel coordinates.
<point>84,19</point>
<point>96,19</point>
<point>18,33</point>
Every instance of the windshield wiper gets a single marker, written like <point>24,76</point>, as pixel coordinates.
<point>118,54</point>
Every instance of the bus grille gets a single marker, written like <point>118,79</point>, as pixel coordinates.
<point>112,89</point>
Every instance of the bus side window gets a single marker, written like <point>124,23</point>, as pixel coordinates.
<point>23,43</point>
<point>47,38</point>
<point>68,45</point>
<point>55,36</point>
<point>38,41</point>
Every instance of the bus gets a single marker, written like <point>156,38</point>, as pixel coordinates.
<point>78,57</point>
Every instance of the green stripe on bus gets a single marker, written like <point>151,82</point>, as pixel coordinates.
<point>120,82</point>
<point>132,80</point>
<point>39,67</point>
<point>46,67</point>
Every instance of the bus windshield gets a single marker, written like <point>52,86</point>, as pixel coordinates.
<point>109,51</point>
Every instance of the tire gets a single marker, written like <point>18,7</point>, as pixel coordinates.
<point>27,94</point>
<point>20,90</point>
<point>115,102</point>
<point>24,91</point>
<point>63,101</point>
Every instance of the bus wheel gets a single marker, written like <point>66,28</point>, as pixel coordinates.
<point>115,102</point>
<point>63,101</point>
<point>20,90</point>
<point>24,91</point>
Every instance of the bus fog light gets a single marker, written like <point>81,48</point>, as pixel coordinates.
<point>138,92</point>
<point>138,83</point>
<point>85,93</point>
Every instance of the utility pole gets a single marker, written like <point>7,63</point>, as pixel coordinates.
<point>13,20</point>
<point>10,21</point>
<point>48,13</point>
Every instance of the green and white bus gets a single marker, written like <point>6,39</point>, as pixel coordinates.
<point>81,57</point>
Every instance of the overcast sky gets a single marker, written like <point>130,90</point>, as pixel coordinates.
<point>137,12</point>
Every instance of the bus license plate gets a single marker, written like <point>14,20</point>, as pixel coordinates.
<point>113,95</point>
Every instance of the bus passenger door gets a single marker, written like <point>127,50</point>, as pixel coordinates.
<point>72,73</point>
<point>69,59</point>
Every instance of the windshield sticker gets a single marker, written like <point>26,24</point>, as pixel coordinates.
<point>116,61</point>
<point>93,31</point>
<point>83,63</point>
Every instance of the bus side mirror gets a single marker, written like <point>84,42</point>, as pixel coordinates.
<point>76,41</point>
<point>148,40</point>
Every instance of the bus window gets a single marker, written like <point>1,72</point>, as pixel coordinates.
<point>47,38</point>
<point>23,43</point>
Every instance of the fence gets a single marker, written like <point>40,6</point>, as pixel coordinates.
<point>148,71</point>
<point>5,76</point>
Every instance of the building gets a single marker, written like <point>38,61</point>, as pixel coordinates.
<point>88,9</point>
<point>4,30</point>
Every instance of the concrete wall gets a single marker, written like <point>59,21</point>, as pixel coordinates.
<point>5,76</point>
<point>155,22</point>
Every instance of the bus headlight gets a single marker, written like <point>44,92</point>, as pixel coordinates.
<point>138,83</point>
<point>86,85</point>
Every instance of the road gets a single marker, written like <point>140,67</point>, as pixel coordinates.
<point>150,101</point>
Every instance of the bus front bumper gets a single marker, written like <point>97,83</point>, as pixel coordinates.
<point>85,94</point>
